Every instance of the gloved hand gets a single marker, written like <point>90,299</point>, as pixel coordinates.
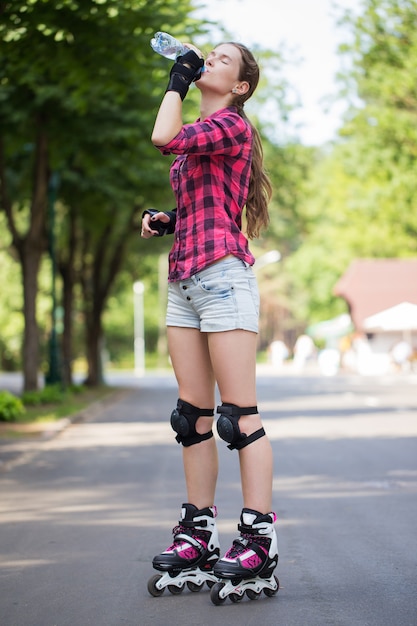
<point>158,223</point>
<point>185,70</point>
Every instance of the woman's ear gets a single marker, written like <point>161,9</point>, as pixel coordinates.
<point>241,88</point>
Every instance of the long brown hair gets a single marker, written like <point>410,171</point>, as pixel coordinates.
<point>260,188</point>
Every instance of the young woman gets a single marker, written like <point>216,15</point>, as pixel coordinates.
<point>212,319</point>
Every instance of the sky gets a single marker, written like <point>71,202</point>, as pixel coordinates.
<point>308,28</point>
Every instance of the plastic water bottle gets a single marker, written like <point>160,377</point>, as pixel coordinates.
<point>167,45</point>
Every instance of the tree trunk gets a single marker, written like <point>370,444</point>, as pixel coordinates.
<point>68,273</point>
<point>97,281</point>
<point>30,248</point>
<point>94,345</point>
<point>30,260</point>
<point>67,303</point>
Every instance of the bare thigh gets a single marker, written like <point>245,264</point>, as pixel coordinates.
<point>233,358</point>
<point>188,348</point>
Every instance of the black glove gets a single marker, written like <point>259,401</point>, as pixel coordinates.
<point>182,76</point>
<point>163,228</point>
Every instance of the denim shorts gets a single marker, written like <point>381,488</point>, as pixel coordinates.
<point>224,296</point>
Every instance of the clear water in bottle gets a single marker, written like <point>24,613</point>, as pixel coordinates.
<point>167,45</point>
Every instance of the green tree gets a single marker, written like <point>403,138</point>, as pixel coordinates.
<point>383,128</point>
<point>362,196</point>
<point>77,85</point>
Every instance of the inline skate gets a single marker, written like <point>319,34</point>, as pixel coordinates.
<point>192,555</point>
<point>249,564</point>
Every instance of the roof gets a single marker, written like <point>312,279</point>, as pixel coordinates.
<point>373,285</point>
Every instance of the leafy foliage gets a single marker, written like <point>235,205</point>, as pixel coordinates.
<point>11,407</point>
<point>51,394</point>
<point>80,106</point>
<point>361,198</point>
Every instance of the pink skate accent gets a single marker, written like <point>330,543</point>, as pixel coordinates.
<point>251,560</point>
<point>231,554</point>
<point>187,552</point>
<point>171,548</point>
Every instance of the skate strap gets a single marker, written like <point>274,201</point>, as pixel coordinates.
<point>191,523</point>
<point>249,531</point>
<point>190,540</point>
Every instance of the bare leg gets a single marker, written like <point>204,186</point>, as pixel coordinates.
<point>233,357</point>
<point>191,361</point>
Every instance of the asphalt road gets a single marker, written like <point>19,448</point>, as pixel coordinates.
<point>83,513</point>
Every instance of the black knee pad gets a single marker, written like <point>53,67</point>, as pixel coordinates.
<point>228,426</point>
<point>183,421</point>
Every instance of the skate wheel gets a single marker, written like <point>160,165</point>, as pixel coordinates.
<point>235,597</point>
<point>175,590</point>
<point>272,592</point>
<point>215,594</point>
<point>194,587</point>
<point>253,595</point>
<point>210,583</point>
<point>152,588</point>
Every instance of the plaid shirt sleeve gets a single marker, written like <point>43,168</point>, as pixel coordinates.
<point>218,134</point>
<point>210,179</point>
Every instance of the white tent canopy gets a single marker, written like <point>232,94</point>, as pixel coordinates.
<point>402,317</point>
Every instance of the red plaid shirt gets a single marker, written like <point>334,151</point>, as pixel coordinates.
<point>210,180</point>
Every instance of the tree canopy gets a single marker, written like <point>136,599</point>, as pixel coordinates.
<point>362,195</point>
<point>78,91</point>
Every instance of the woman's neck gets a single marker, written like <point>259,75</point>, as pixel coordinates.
<point>210,105</point>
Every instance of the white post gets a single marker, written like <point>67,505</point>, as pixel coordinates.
<point>139,334</point>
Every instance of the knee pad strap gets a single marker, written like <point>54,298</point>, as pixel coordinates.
<point>183,422</point>
<point>228,426</point>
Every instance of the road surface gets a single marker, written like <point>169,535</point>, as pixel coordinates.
<point>83,512</point>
